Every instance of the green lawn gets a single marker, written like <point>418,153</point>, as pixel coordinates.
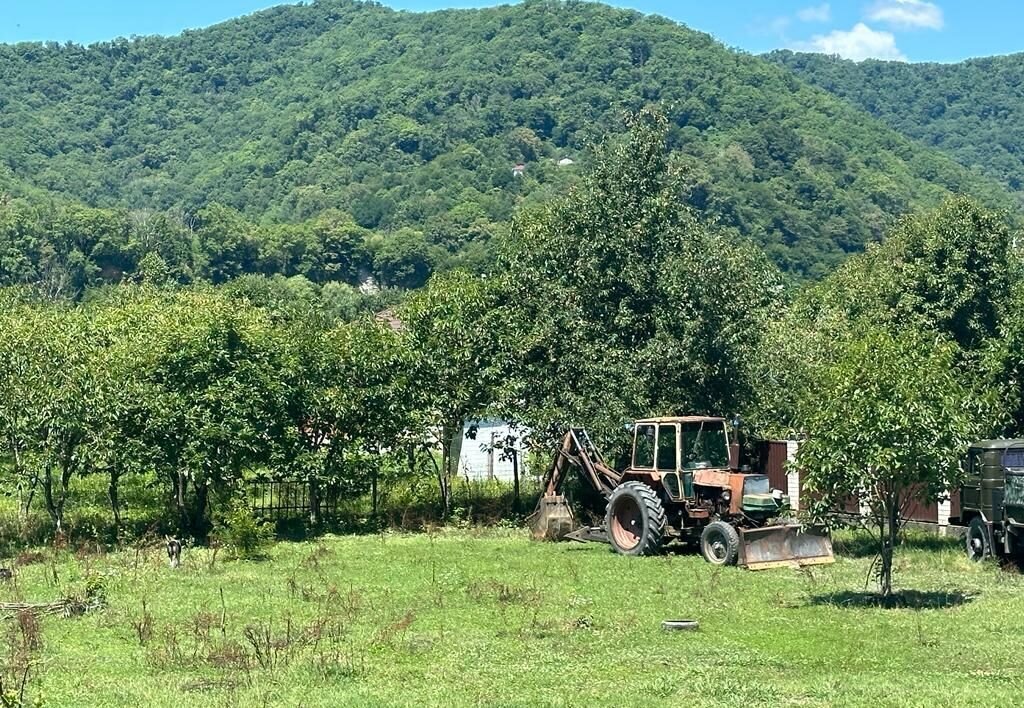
<point>491,618</point>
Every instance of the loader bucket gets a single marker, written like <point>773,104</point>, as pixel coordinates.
<point>784,545</point>
<point>552,521</point>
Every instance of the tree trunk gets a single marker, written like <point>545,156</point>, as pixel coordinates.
<point>443,483</point>
<point>373,491</point>
<point>314,502</point>
<point>180,483</point>
<point>28,497</point>
<point>198,524</point>
<point>889,531</point>
<point>55,492</point>
<point>115,502</point>
<point>451,450</point>
<point>50,500</point>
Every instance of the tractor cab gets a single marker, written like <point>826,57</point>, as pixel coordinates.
<point>696,459</point>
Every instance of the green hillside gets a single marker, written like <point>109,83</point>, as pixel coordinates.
<point>412,123</point>
<point>973,110</point>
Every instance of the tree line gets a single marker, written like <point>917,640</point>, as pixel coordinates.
<point>64,250</point>
<point>611,302</point>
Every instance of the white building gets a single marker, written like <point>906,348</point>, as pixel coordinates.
<point>489,456</point>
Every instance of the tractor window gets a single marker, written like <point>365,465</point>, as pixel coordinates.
<point>666,447</point>
<point>643,448</point>
<point>704,444</point>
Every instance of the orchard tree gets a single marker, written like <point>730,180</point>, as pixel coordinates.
<point>121,445</point>
<point>452,327</point>
<point>621,302</point>
<point>21,391</point>
<point>215,396</point>
<point>49,394</point>
<point>349,397</point>
<point>887,422</point>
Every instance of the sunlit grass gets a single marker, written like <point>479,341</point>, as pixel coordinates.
<point>491,618</point>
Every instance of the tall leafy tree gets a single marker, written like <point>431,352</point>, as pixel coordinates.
<point>350,396</point>
<point>951,271</point>
<point>216,399</point>
<point>452,327</point>
<point>887,423</point>
<point>622,303</point>
<point>49,390</point>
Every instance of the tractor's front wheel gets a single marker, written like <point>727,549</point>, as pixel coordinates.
<point>635,519</point>
<point>720,543</point>
<point>978,540</point>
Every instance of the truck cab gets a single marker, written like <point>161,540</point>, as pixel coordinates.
<point>992,498</point>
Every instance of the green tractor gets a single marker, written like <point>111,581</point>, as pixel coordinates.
<point>992,499</point>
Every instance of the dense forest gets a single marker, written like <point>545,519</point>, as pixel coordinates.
<point>973,110</point>
<point>611,302</point>
<point>341,139</point>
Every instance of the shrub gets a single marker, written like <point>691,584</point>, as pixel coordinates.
<point>240,531</point>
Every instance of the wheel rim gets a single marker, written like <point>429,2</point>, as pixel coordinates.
<point>717,548</point>
<point>627,523</point>
<point>975,544</point>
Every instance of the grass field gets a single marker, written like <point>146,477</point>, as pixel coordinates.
<point>490,618</point>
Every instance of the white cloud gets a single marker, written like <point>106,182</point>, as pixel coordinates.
<point>910,14</point>
<point>815,13</point>
<point>778,25</point>
<point>859,43</point>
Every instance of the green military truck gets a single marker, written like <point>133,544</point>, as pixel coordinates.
<point>992,498</point>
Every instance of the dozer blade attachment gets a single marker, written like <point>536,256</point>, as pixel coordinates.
<point>552,521</point>
<point>784,545</point>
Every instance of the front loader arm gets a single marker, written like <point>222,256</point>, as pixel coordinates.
<point>578,451</point>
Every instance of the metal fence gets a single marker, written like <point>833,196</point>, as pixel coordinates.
<point>282,499</point>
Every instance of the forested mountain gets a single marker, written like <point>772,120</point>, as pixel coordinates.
<point>411,125</point>
<point>973,110</point>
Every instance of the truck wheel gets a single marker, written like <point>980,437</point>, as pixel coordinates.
<point>635,520</point>
<point>720,543</point>
<point>978,540</point>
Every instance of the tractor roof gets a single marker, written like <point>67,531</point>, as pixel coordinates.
<point>997,444</point>
<point>682,419</point>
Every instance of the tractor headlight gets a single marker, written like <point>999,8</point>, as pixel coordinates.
<point>726,495</point>
<point>777,495</point>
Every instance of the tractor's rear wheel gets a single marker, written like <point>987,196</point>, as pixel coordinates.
<point>720,543</point>
<point>635,519</point>
<point>978,540</point>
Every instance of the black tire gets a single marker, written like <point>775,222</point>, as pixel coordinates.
<point>720,543</point>
<point>978,540</point>
<point>635,520</point>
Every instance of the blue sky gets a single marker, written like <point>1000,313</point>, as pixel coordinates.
<point>912,30</point>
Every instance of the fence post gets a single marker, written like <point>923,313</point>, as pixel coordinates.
<point>515,479</point>
<point>945,509</point>
<point>490,458</point>
<point>792,474</point>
